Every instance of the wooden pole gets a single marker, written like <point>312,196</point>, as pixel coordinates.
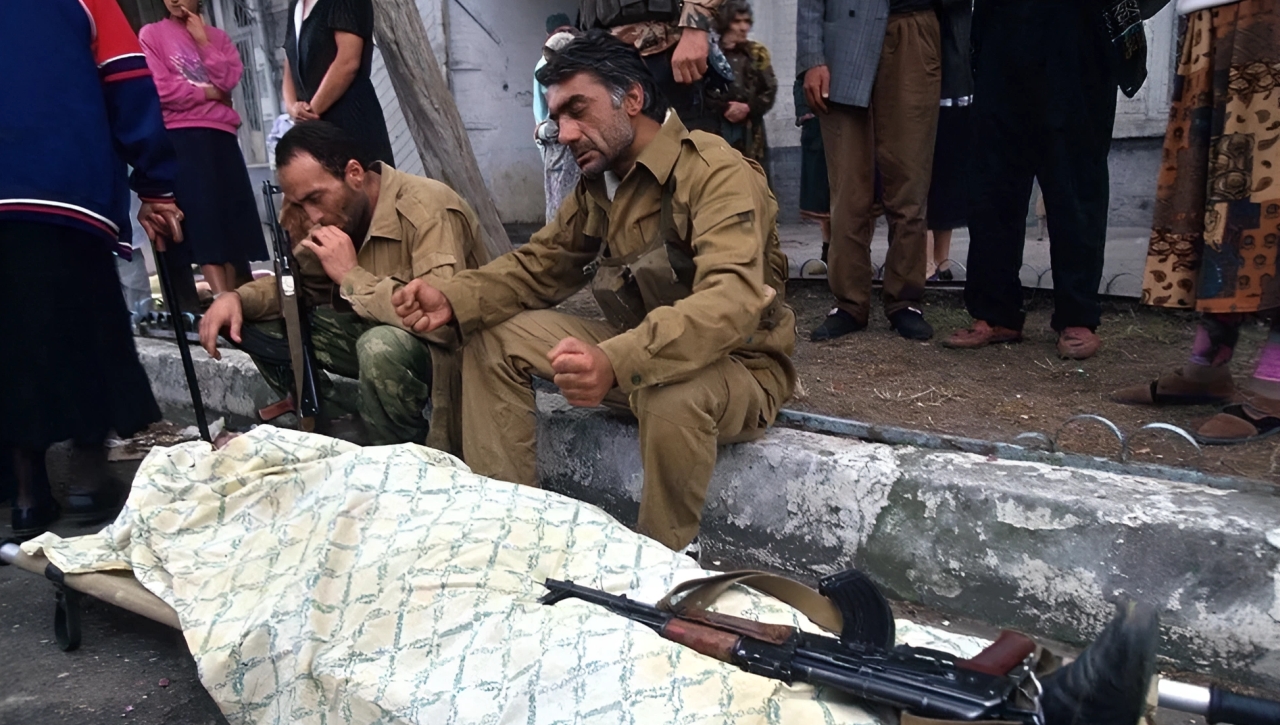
<point>432,115</point>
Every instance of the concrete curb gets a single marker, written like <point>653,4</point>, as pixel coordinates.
<point>1022,544</point>
<point>231,386</point>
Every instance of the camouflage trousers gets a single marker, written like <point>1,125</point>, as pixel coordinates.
<point>392,366</point>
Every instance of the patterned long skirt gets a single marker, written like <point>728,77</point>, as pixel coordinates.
<point>1216,232</point>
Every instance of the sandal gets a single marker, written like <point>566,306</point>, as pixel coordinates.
<point>1235,425</point>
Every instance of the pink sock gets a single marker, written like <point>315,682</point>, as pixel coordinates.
<point>1269,361</point>
<point>1215,341</point>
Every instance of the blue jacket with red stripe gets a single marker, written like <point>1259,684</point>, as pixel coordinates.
<point>76,104</point>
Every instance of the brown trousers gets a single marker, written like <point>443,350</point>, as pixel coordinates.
<point>680,423</point>
<point>895,135</point>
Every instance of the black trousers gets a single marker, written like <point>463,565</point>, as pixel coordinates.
<point>688,100</point>
<point>1044,105</point>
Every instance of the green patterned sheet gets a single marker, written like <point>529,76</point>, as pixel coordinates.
<point>319,582</point>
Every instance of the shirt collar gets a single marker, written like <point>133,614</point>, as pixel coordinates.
<point>386,221</point>
<point>660,156</point>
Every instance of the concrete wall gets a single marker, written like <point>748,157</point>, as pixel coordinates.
<point>493,47</point>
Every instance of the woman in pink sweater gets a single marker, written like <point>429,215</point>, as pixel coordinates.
<point>195,68</point>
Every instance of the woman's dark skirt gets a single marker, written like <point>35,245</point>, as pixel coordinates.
<point>68,366</point>
<point>949,188</point>
<point>217,199</point>
<point>815,188</point>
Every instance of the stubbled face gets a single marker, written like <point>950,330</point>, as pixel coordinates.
<point>326,199</point>
<point>180,8</point>
<point>595,128</point>
<point>737,31</point>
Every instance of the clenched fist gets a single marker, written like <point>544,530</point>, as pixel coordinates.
<point>422,308</point>
<point>583,372</point>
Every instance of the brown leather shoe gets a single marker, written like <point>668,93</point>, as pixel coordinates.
<point>1175,389</point>
<point>980,334</point>
<point>1078,343</point>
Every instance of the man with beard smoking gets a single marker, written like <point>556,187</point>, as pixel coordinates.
<point>359,228</point>
<point>676,233</point>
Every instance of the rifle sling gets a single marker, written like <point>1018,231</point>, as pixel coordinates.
<point>702,593</point>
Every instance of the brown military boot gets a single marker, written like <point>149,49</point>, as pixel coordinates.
<point>1108,683</point>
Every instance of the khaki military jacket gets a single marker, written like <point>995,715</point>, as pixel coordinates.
<point>726,214</point>
<point>420,228</point>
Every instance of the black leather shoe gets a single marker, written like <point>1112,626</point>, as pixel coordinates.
<point>1108,684</point>
<point>31,521</point>
<point>94,507</point>
<point>838,324</point>
<point>910,323</point>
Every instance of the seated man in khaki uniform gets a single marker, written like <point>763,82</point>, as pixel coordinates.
<point>370,227</point>
<point>677,235</point>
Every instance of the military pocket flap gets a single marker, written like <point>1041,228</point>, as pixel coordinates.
<point>737,211</point>
<point>425,263</point>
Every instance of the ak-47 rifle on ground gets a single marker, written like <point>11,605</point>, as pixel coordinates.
<point>999,684</point>
<point>304,401</point>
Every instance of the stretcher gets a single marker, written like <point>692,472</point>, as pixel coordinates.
<point>123,590</point>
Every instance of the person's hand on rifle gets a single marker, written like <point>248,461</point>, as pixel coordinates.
<point>335,249</point>
<point>161,221</point>
<point>689,61</point>
<point>422,308</point>
<point>225,312</point>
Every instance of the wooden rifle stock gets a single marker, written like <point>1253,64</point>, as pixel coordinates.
<point>714,643</point>
<point>1000,657</point>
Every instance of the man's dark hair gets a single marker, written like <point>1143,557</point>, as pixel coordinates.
<point>325,142</point>
<point>617,65</point>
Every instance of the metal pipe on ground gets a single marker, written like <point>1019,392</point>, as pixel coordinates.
<point>893,435</point>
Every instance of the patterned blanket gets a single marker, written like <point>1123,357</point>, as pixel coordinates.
<point>320,582</point>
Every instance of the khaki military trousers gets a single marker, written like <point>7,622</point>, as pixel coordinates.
<point>394,369</point>
<point>680,423</point>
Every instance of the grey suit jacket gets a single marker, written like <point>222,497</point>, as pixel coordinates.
<point>846,36</point>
